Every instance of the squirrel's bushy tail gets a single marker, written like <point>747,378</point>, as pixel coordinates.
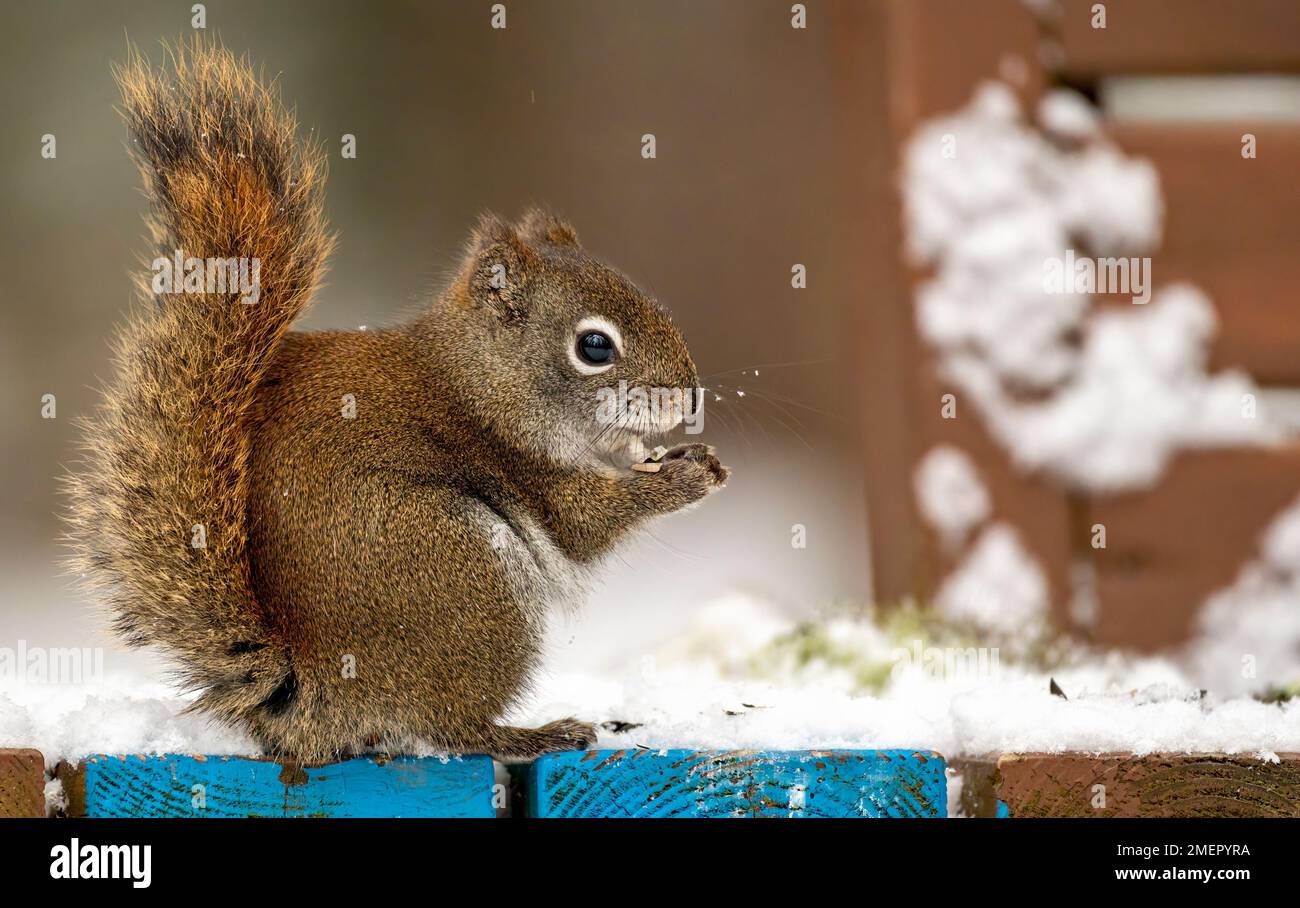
<point>158,503</point>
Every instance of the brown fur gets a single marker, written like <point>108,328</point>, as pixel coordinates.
<point>377,579</point>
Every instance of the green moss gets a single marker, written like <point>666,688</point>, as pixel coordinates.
<point>899,627</point>
<point>1281,693</point>
<point>809,645</point>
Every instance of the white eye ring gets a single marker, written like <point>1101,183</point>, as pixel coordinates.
<point>595,323</point>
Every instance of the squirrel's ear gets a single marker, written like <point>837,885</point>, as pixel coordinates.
<point>540,226</point>
<point>500,268</point>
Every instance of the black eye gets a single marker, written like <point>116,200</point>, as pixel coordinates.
<point>595,348</point>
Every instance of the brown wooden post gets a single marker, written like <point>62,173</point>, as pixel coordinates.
<point>939,52</point>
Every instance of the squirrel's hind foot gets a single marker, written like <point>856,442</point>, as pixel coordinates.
<point>527,743</point>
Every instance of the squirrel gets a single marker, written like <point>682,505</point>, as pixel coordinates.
<point>333,581</point>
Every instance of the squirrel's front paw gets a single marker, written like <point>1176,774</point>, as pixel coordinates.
<point>688,473</point>
<point>703,456</point>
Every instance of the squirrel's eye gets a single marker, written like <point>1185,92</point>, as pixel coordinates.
<point>596,348</point>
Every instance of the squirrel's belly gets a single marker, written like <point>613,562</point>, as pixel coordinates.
<point>538,572</point>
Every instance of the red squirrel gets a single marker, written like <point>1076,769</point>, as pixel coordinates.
<point>349,539</point>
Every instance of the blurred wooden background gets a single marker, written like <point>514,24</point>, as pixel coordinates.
<point>1231,230</point>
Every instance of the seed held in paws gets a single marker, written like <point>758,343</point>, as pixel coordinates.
<point>652,463</point>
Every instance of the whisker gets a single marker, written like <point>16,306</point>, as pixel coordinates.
<point>767,396</point>
<point>616,426</point>
<point>789,400</point>
<point>767,399</point>
<point>733,423</point>
<point>672,549</point>
<point>802,362</point>
<point>747,417</point>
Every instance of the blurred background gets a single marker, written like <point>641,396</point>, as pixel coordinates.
<point>757,126</point>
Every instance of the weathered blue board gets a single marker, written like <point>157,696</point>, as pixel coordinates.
<point>687,783</point>
<point>181,786</point>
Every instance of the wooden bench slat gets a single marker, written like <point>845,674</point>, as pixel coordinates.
<point>1155,785</point>
<point>22,783</point>
<point>196,786</point>
<point>699,784</point>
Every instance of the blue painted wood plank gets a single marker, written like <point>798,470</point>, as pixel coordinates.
<point>687,783</point>
<point>172,785</point>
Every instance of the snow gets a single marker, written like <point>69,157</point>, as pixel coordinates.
<point>115,713</point>
<point>1068,115</point>
<point>847,680</point>
<point>1116,703</point>
<point>956,782</point>
<point>1139,392</point>
<point>950,495</point>
<point>1099,397</point>
<point>1248,633</point>
<point>56,799</point>
<point>998,587</point>
<point>1281,546</point>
